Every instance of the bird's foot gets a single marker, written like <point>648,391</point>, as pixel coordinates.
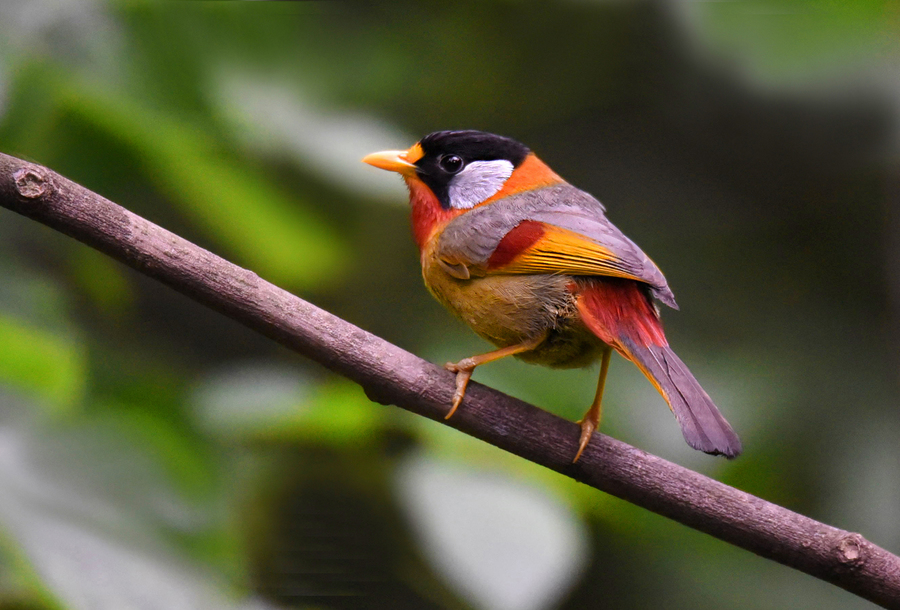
<point>463,370</point>
<point>588,426</point>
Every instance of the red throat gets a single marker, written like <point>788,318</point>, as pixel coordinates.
<point>427,213</point>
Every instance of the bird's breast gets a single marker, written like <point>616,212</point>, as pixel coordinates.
<point>510,309</point>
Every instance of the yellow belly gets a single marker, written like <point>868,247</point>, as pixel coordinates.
<point>511,309</point>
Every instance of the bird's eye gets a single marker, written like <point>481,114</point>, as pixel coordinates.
<point>451,163</point>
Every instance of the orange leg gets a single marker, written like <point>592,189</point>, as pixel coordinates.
<point>464,367</point>
<point>591,419</point>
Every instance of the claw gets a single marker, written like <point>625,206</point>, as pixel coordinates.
<point>587,430</point>
<point>462,380</point>
<point>464,367</point>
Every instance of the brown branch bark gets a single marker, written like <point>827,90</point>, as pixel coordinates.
<point>391,375</point>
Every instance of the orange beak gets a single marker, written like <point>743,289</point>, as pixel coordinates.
<point>400,161</point>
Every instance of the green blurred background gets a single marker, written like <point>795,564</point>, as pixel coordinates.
<point>156,455</point>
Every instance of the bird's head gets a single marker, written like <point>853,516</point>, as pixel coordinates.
<point>464,169</point>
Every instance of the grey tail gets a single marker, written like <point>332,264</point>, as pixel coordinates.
<point>703,426</point>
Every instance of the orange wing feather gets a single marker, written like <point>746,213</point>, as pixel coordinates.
<point>537,247</point>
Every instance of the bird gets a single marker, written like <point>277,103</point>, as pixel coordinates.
<point>533,265</point>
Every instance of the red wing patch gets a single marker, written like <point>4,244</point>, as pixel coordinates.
<point>514,243</point>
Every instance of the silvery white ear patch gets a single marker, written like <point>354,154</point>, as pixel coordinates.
<point>477,181</point>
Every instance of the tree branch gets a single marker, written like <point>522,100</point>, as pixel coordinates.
<point>391,375</point>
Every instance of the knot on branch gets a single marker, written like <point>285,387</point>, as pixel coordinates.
<point>30,184</point>
<point>377,395</point>
<point>851,551</point>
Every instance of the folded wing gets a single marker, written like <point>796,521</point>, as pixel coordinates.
<point>558,229</point>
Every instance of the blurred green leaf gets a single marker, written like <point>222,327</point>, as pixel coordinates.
<point>273,232</point>
<point>39,362</point>
<point>340,413</point>
<point>35,298</point>
<point>782,40</point>
<point>94,514</point>
<point>241,206</point>
<point>20,585</point>
<point>269,117</point>
<point>187,463</point>
<point>265,401</point>
<point>102,279</point>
